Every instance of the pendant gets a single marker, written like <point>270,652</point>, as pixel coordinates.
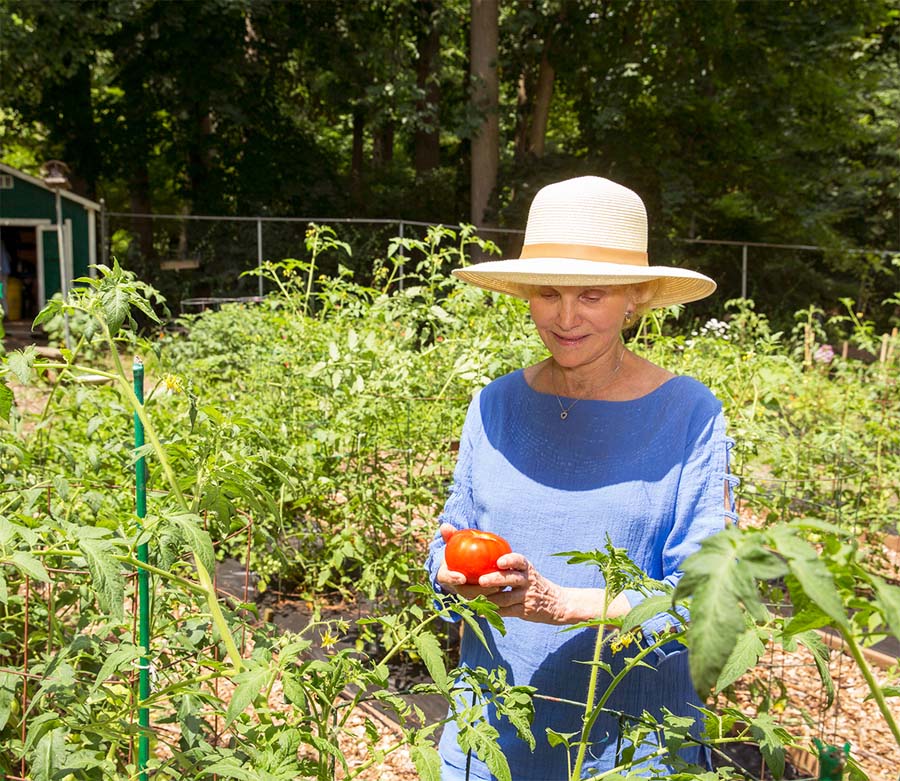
<point>563,415</point>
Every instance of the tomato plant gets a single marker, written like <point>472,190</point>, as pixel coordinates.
<point>474,553</point>
<point>312,435</point>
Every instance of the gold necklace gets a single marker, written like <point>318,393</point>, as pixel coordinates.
<point>563,410</point>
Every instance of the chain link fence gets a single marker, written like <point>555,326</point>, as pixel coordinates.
<point>195,256</point>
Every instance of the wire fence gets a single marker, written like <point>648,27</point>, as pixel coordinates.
<point>204,256</point>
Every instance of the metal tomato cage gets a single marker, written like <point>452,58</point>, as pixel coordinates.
<point>828,484</point>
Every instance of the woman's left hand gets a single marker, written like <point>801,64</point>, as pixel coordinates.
<point>531,596</point>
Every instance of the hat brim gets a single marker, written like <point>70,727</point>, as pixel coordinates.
<point>518,277</point>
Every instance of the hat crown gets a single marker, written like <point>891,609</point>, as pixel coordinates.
<point>588,211</point>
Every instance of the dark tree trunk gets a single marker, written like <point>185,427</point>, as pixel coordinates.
<point>485,98</point>
<point>135,161</point>
<point>383,145</point>
<point>522,117</point>
<point>139,194</point>
<point>71,108</point>
<point>200,161</point>
<point>356,158</point>
<point>537,133</point>
<point>427,147</point>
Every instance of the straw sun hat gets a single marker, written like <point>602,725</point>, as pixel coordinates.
<point>583,232</point>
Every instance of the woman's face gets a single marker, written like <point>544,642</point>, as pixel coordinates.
<point>580,324</point>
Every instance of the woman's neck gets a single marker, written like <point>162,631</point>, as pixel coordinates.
<point>590,381</point>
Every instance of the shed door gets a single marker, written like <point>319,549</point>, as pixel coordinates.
<point>49,282</point>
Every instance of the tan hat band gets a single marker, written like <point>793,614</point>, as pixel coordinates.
<point>627,257</point>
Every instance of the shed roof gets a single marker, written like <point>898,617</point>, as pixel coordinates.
<point>86,202</point>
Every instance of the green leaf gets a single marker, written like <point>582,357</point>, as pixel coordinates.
<point>430,650</point>
<point>106,574</point>
<point>49,755</point>
<point>189,527</point>
<point>718,586</point>
<point>93,424</point>
<point>6,401</point>
<point>47,313</point>
<point>62,486</point>
<point>811,573</point>
<point>806,619</point>
<point>888,598</point>
<point>440,313</point>
<point>481,738</point>
<point>114,662</point>
<point>821,654</point>
<point>294,693</point>
<point>745,655</point>
<point>231,767</point>
<point>555,738</point>
<point>21,363</point>
<point>427,762</point>
<point>7,530</point>
<point>772,740</point>
<point>30,566</point>
<point>327,747</point>
<point>249,685</point>
<point>115,305</point>
<point>8,684</point>
<point>760,563</point>
<point>645,610</point>
<point>518,707</point>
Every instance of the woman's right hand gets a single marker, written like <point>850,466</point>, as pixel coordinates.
<point>455,582</point>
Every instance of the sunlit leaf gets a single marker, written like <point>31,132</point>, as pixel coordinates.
<point>250,684</point>
<point>107,577</point>
<point>746,653</point>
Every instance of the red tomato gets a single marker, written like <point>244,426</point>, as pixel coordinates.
<point>474,553</point>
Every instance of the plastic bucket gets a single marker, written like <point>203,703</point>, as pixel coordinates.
<point>13,291</point>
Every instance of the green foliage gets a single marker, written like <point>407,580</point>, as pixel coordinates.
<point>315,430</point>
<point>829,582</point>
<point>286,108</point>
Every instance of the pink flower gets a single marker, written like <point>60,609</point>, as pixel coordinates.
<point>825,354</point>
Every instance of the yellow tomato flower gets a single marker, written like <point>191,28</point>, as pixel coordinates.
<point>174,383</point>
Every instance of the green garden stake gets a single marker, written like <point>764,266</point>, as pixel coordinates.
<point>140,476</point>
<point>832,760</point>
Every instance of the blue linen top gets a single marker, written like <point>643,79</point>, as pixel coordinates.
<point>652,473</point>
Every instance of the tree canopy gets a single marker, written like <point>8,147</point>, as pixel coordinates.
<point>747,121</point>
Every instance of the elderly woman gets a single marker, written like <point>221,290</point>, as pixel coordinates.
<point>593,441</point>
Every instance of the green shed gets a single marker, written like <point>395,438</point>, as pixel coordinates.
<point>31,243</point>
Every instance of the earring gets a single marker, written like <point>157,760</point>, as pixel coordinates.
<point>629,316</point>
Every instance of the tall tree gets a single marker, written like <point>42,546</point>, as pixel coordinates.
<point>427,140</point>
<point>531,33</point>
<point>485,101</point>
<point>49,52</point>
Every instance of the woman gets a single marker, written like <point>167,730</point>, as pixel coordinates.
<point>593,441</point>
